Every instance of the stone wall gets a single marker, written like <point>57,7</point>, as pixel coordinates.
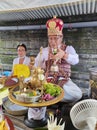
<point>10,39</point>
<point>84,41</point>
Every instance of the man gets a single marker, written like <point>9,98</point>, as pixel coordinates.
<point>57,65</point>
<point>56,60</point>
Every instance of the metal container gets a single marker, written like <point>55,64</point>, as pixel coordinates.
<point>93,82</point>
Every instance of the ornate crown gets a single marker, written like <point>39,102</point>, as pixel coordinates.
<point>54,26</point>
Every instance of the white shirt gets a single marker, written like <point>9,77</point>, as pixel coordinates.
<point>72,59</point>
<point>26,61</point>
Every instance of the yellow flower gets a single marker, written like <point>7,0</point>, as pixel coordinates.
<point>21,70</point>
<point>3,125</point>
<point>34,93</point>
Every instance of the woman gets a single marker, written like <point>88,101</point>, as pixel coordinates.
<point>22,58</point>
<point>21,62</point>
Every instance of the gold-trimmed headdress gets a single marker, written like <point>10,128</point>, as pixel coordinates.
<point>54,26</point>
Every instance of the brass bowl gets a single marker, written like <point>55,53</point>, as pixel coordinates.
<point>23,98</point>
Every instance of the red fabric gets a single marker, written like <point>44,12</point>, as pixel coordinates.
<point>58,23</point>
<point>9,123</point>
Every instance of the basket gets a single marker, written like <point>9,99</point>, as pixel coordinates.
<point>14,109</point>
<point>84,113</point>
<point>93,82</point>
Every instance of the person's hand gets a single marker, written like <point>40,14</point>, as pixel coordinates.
<point>60,54</point>
<point>52,56</point>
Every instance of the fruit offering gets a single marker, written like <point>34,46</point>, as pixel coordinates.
<point>50,91</point>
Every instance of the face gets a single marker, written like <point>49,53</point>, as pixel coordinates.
<point>21,51</point>
<point>55,41</point>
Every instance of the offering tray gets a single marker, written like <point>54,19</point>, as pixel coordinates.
<point>14,109</point>
<point>11,82</point>
<point>35,104</point>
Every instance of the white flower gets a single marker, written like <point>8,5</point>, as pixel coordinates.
<point>41,76</point>
<point>52,123</point>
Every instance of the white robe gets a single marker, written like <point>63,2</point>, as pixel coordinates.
<point>72,91</point>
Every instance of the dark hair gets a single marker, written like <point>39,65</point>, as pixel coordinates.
<point>22,45</point>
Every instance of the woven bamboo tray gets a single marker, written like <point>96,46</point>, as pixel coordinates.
<point>36,104</point>
<point>14,109</point>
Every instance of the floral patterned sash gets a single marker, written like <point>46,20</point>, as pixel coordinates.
<point>64,70</point>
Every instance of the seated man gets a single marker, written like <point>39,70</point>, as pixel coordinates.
<point>56,60</point>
